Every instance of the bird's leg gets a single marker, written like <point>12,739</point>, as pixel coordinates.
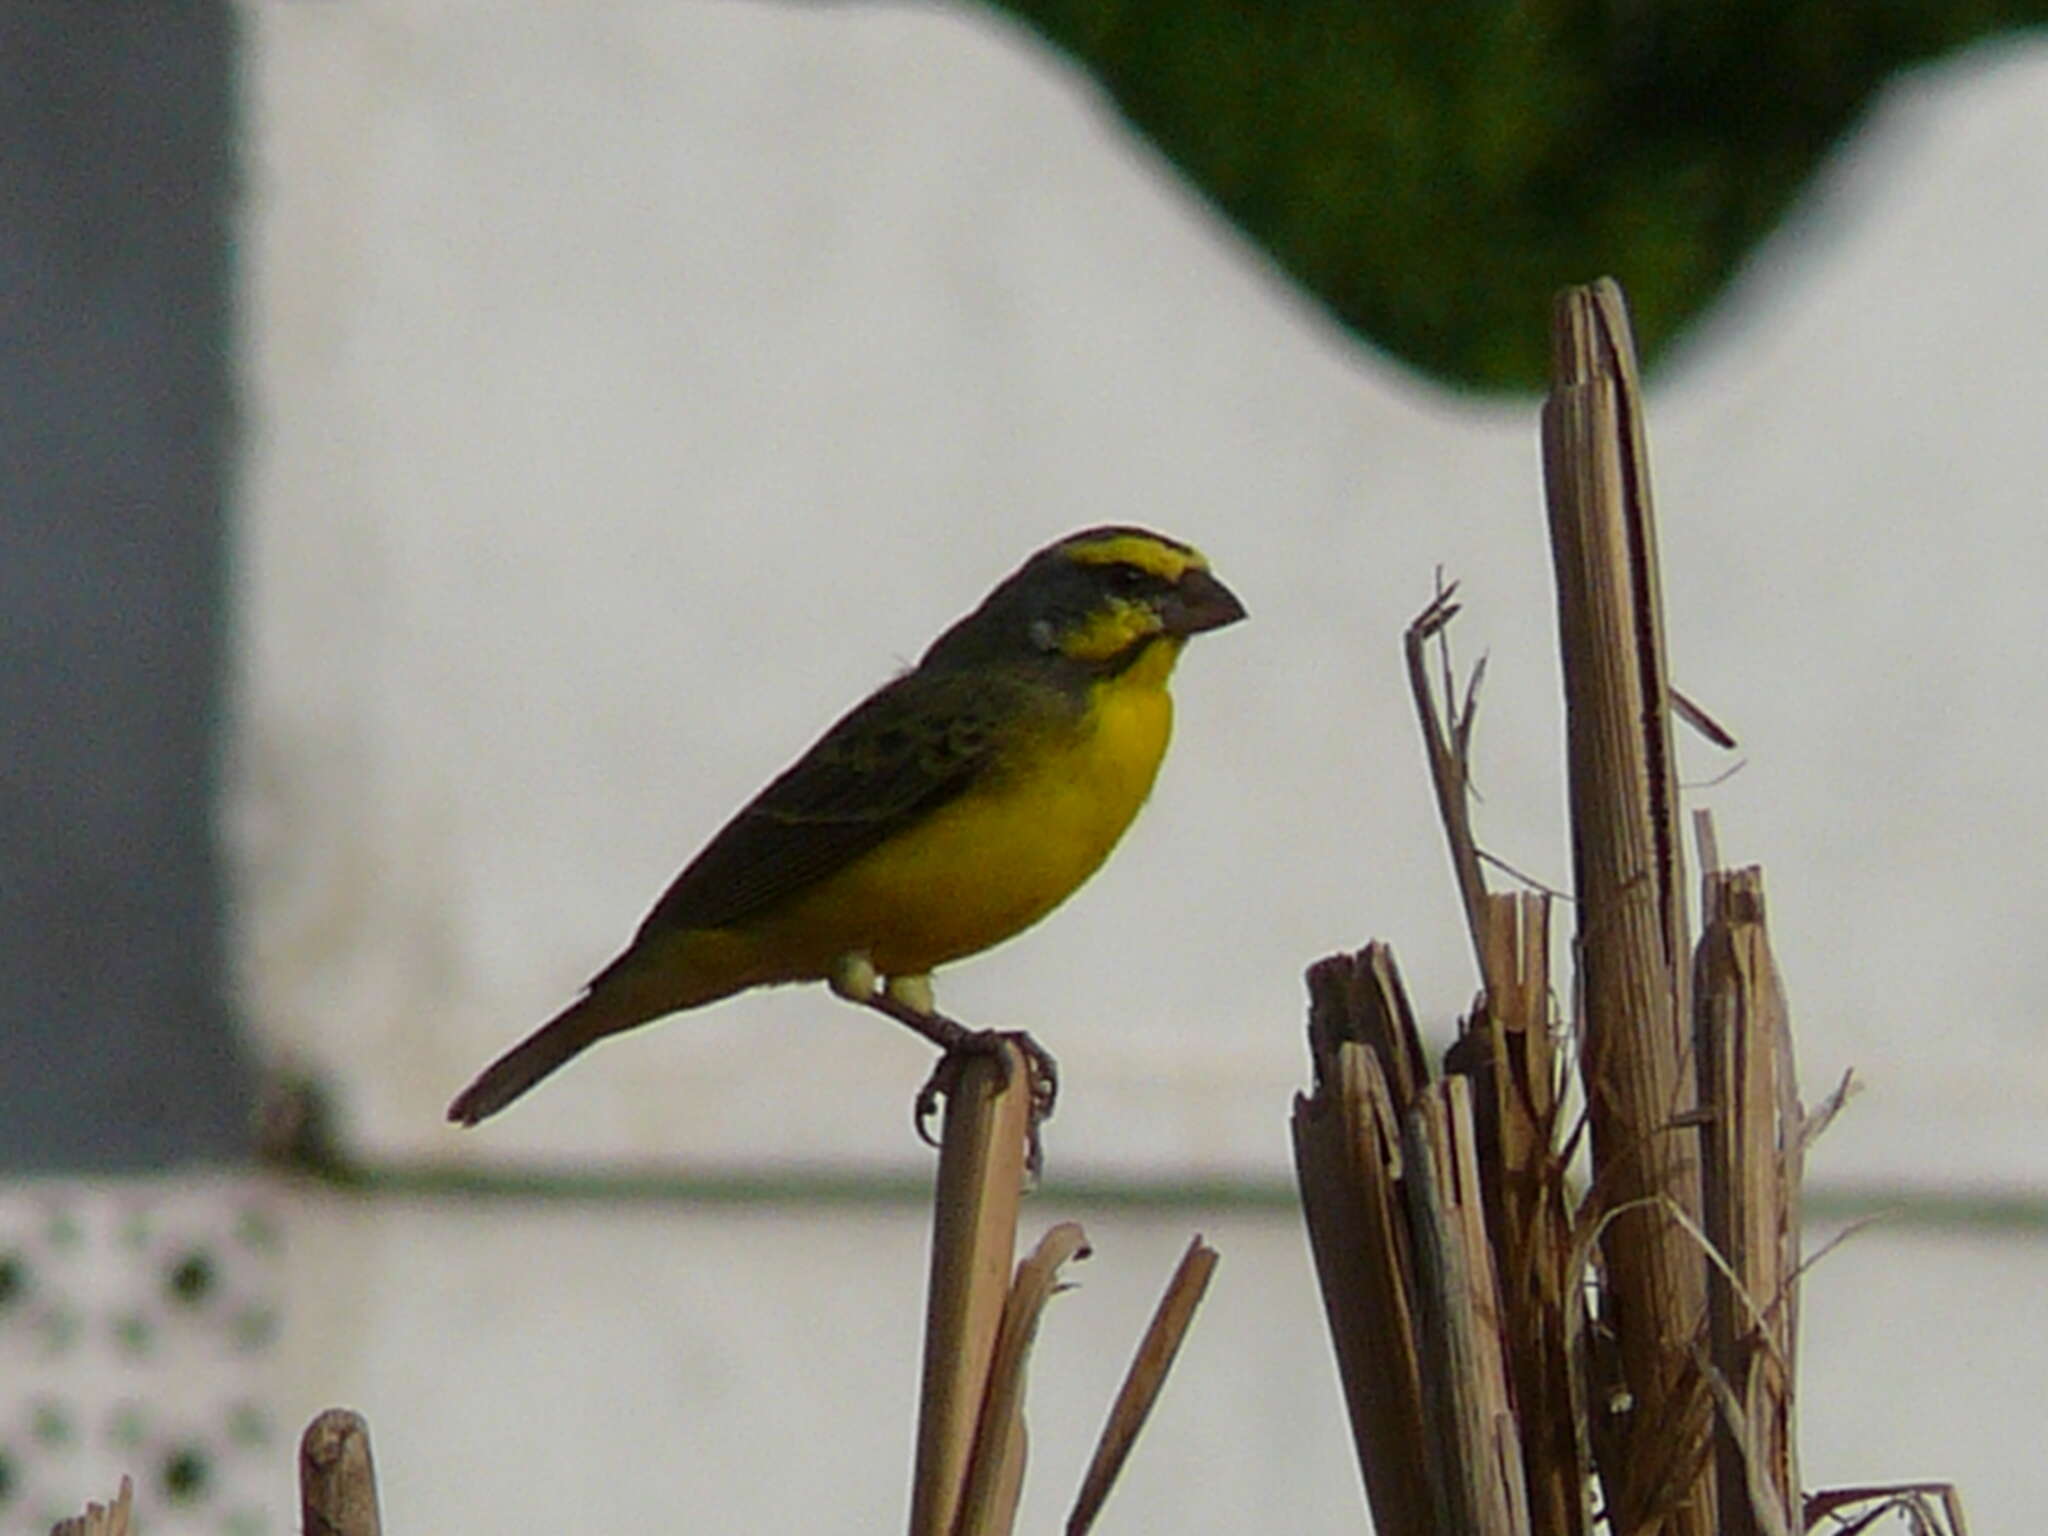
<point>909,1001</point>
<point>913,992</point>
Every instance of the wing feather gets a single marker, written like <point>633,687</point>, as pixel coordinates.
<point>909,748</point>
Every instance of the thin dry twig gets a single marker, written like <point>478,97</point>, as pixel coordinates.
<point>1714,781</point>
<point>1854,1229</point>
<point>1142,1384</point>
<point>1738,1422</point>
<point>1542,888</point>
<point>1909,1498</point>
<point>1701,721</point>
<point>1823,1114</point>
<point>1449,770</point>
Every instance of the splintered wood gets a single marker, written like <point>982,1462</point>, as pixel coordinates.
<point>1521,1351</point>
<point>1368,1063</point>
<point>974,1233</point>
<point>113,1519</point>
<point>337,1479</point>
<point>1628,880</point>
<point>1508,1050</point>
<point>1753,1157</point>
<point>981,1321</point>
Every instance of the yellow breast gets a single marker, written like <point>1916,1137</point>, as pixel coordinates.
<point>998,859</point>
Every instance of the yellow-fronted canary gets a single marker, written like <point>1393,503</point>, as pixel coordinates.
<point>953,807</point>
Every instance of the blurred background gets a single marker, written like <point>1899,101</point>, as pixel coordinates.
<point>454,453</point>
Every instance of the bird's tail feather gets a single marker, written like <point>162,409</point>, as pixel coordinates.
<point>575,1029</point>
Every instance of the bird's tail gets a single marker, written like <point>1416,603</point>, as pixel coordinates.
<point>575,1029</point>
<point>656,976</point>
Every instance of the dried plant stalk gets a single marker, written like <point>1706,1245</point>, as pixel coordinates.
<point>1507,1051</point>
<point>1450,769</point>
<point>1142,1383</point>
<point>1348,1160</point>
<point>1751,1171</point>
<point>974,1234</point>
<point>1475,1453</point>
<point>1933,1509</point>
<point>1629,880</point>
<point>337,1479</point>
<point>1360,997</point>
<point>995,1470</point>
<point>1505,1048</point>
<point>102,1519</point>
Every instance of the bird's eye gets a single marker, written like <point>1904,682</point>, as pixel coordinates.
<point>1128,579</point>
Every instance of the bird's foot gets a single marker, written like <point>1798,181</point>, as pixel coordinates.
<point>908,1000</point>
<point>1039,1065</point>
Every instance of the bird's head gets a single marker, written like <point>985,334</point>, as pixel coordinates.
<point>1100,599</point>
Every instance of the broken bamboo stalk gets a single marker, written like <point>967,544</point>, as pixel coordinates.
<point>1651,1428</point>
<point>1507,1051</point>
<point>1751,1176</point>
<point>337,1479</point>
<point>980,1180</point>
<point>1348,1159</point>
<point>102,1519</point>
<point>1475,1450</point>
<point>995,1470</point>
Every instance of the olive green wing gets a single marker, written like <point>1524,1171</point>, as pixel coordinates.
<point>906,750</point>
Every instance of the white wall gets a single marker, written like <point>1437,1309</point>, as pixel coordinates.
<point>592,1367</point>
<point>632,387</point>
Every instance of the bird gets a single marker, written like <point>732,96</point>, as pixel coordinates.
<point>948,811</point>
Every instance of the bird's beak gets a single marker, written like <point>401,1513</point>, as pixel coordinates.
<point>1198,602</point>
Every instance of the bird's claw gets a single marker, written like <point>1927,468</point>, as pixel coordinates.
<point>910,1005</point>
<point>1039,1065</point>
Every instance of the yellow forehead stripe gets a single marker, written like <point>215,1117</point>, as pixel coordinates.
<point>1169,562</point>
